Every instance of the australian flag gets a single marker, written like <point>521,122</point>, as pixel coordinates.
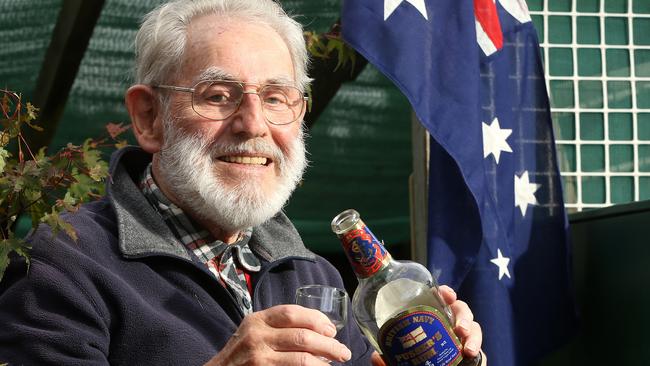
<point>498,231</point>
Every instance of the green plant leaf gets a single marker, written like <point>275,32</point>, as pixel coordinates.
<point>5,137</point>
<point>91,157</point>
<point>85,188</point>
<point>98,172</point>
<point>69,200</point>
<point>7,246</point>
<point>54,220</point>
<point>43,185</point>
<point>31,168</point>
<point>31,111</point>
<point>4,154</point>
<point>19,183</point>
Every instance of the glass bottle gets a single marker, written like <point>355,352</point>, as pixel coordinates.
<point>396,303</point>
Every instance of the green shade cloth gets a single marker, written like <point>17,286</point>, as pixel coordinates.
<point>360,148</point>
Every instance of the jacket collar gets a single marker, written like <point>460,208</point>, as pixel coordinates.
<point>142,231</point>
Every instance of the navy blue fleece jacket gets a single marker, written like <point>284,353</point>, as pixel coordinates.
<point>128,293</point>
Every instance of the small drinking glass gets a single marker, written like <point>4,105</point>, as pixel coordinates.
<point>331,301</point>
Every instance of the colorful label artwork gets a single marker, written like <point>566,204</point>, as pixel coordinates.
<point>419,336</point>
<point>367,255</point>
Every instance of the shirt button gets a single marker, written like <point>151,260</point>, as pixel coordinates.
<point>246,302</point>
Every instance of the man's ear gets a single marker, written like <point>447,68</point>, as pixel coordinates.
<point>146,117</point>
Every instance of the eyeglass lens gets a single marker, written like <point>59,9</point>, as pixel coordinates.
<point>220,99</point>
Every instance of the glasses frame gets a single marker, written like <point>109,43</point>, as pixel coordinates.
<point>243,85</point>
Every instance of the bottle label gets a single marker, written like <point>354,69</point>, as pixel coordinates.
<point>419,336</point>
<point>366,254</point>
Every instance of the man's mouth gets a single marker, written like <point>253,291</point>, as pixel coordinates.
<point>248,160</point>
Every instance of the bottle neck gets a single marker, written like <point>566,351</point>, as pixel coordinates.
<point>366,253</point>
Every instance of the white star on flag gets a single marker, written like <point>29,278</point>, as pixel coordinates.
<point>391,5</point>
<point>502,263</point>
<point>494,139</point>
<point>525,192</point>
<point>518,9</point>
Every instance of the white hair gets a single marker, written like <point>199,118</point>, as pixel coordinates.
<point>187,161</point>
<point>161,41</point>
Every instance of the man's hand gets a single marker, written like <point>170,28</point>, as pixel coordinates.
<point>282,335</point>
<point>466,328</point>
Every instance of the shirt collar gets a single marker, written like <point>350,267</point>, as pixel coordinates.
<point>188,232</point>
<point>142,233</point>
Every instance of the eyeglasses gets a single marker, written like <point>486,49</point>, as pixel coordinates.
<point>219,99</point>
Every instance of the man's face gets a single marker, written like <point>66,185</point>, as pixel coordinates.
<point>241,170</point>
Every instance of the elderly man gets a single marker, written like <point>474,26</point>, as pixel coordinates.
<point>188,259</point>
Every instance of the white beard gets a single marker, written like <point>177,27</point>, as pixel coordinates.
<point>186,164</point>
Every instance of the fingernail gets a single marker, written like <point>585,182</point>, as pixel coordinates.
<point>330,330</point>
<point>464,323</point>
<point>471,347</point>
<point>346,354</point>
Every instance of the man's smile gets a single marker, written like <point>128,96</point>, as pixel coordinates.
<point>248,160</point>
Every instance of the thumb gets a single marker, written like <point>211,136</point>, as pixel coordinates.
<point>376,360</point>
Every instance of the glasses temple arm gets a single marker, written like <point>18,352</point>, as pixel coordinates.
<point>176,88</point>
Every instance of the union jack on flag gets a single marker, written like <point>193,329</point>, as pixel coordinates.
<point>497,231</point>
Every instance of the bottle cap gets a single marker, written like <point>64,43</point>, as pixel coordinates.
<point>345,221</point>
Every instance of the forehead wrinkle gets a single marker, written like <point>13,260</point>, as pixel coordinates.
<point>280,80</point>
<point>216,73</point>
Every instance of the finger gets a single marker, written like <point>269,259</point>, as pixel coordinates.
<point>448,294</point>
<point>472,342</point>
<point>377,360</point>
<point>463,316</point>
<point>295,359</point>
<point>296,316</point>
<point>306,340</point>
<point>483,359</point>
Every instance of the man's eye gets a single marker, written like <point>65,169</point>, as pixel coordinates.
<point>217,97</point>
<point>277,99</point>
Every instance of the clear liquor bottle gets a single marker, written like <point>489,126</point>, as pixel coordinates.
<point>396,304</point>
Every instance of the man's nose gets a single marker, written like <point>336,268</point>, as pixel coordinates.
<point>249,118</point>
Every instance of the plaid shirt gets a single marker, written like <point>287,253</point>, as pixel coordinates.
<point>230,263</point>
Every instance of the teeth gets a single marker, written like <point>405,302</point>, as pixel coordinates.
<point>255,160</point>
